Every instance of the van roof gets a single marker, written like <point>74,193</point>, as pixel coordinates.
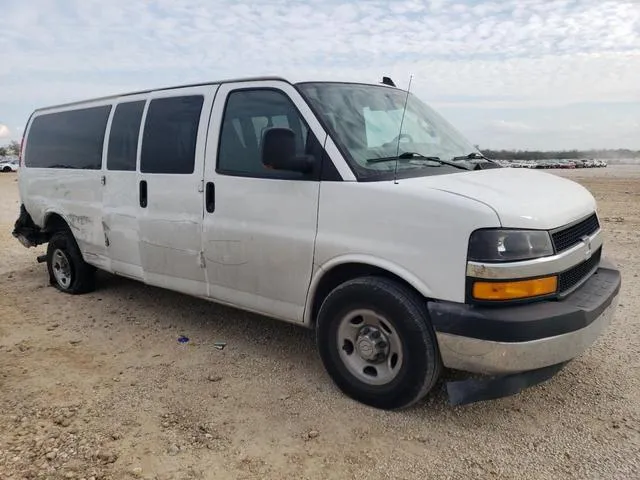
<point>218,82</point>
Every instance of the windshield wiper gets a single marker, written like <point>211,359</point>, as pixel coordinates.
<point>416,156</point>
<point>471,156</point>
<point>478,156</point>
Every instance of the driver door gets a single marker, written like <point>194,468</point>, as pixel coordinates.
<point>259,225</point>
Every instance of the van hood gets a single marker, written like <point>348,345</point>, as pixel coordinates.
<point>522,198</point>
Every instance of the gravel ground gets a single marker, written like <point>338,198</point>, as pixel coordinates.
<point>97,386</point>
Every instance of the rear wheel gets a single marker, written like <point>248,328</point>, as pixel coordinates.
<point>377,343</point>
<point>68,271</point>
<point>6,169</point>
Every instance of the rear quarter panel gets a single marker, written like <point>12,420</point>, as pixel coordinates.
<point>75,195</point>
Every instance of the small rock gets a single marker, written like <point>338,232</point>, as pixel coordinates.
<point>50,455</point>
<point>173,450</point>
<point>116,436</point>
<point>136,472</point>
<point>52,327</point>
<point>311,434</point>
<point>214,378</point>
<point>62,421</point>
<point>75,341</point>
<point>107,457</point>
<point>284,397</point>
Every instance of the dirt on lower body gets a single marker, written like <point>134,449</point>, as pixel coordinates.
<point>98,386</point>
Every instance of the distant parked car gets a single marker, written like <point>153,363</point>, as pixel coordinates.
<point>8,165</point>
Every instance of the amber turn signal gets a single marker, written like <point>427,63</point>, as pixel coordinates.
<point>515,289</point>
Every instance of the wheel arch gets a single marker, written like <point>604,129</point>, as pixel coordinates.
<point>54,222</point>
<point>342,269</point>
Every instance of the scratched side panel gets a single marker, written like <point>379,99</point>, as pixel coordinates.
<point>170,226</point>
<point>120,223</point>
<point>75,195</point>
<point>171,234</point>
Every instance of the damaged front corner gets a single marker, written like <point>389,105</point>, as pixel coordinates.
<point>474,390</point>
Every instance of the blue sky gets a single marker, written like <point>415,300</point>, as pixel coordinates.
<point>545,74</point>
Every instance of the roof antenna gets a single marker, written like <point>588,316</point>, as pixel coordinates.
<point>388,81</point>
<point>395,170</point>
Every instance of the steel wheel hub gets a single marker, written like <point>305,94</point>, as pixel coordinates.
<point>372,345</point>
<point>369,347</point>
<point>61,268</point>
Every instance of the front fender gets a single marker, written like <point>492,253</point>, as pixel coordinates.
<point>368,260</point>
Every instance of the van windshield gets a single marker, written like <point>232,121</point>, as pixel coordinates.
<point>364,121</point>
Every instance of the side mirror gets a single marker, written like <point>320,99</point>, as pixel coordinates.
<point>279,151</point>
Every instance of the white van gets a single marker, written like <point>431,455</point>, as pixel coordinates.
<point>344,207</point>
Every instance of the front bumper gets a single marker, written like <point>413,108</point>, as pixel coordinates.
<point>494,340</point>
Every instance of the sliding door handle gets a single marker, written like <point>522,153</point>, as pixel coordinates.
<point>143,193</point>
<point>210,197</point>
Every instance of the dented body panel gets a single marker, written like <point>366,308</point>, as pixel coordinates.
<point>170,225</point>
<point>74,196</point>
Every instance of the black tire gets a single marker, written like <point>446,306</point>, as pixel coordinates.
<point>81,274</point>
<point>407,312</point>
<point>6,169</point>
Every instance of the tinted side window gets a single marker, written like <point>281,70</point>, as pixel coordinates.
<point>170,133</point>
<point>70,139</point>
<point>123,137</point>
<point>247,115</point>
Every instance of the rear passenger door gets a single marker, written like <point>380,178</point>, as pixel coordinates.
<point>120,197</point>
<point>170,189</point>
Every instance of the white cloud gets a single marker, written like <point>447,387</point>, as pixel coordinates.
<point>4,131</point>
<point>482,54</point>
<point>510,127</point>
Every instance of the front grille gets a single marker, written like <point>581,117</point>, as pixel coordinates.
<point>568,237</point>
<point>570,278</point>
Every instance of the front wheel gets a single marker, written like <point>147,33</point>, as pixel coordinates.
<point>68,271</point>
<point>377,343</point>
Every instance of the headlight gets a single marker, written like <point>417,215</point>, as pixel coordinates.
<point>495,245</point>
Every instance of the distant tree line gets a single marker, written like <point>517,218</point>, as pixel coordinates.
<point>12,149</point>
<point>560,155</point>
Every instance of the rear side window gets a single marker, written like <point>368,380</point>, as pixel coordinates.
<point>170,134</point>
<point>70,139</point>
<point>123,136</point>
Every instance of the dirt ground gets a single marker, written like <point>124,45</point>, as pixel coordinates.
<point>98,386</point>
